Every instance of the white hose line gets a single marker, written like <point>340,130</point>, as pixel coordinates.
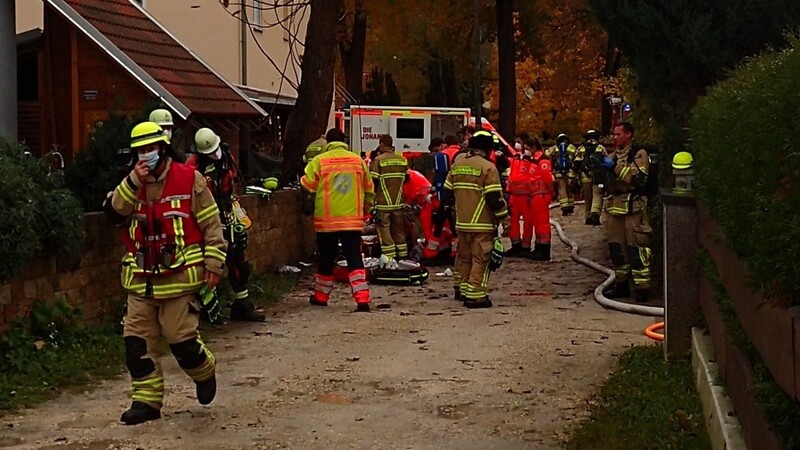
<point>598,292</point>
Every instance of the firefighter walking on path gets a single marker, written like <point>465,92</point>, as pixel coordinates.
<point>474,187</point>
<point>562,156</point>
<point>589,154</point>
<point>343,195</point>
<point>388,171</point>
<point>628,226</point>
<point>215,162</point>
<point>174,247</point>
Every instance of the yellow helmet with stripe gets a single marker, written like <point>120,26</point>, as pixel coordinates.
<point>147,133</point>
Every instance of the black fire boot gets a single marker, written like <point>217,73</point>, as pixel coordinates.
<point>457,295</point>
<point>567,210</point>
<point>588,221</point>
<point>206,390</point>
<point>362,307</point>
<point>641,295</point>
<point>541,253</point>
<point>485,303</point>
<point>595,218</point>
<point>618,290</point>
<point>314,302</point>
<point>243,310</point>
<point>139,413</point>
<point>515,250</point>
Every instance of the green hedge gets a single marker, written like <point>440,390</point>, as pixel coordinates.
<point>746,136</point>
<point>39,213</point>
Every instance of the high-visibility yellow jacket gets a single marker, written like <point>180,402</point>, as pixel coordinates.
<point>342,186</point>
<point>475,183</point>
<point>388,171</point>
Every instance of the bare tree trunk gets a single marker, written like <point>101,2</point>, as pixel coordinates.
<point>352,45</point>
<point>506,67</point>
<point>308,119</point>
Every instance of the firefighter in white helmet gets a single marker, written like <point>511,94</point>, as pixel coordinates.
<point>164,118</point>
<point>216,164</point>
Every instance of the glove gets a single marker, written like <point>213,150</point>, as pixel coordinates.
<point>209,305</point>
<point>607,163</point>
<point>575,186</point>
<point>506,223</point>
<point>496,256</point>
<point>376,216</point>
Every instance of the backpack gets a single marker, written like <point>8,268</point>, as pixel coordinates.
<point>650,188</point>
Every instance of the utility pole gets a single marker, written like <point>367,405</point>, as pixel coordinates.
<point>243,31</point>
<point>8,71</point>
<point>477,93</point>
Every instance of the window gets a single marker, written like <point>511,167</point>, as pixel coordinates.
<point>258,14</point>
<point>410,128</point>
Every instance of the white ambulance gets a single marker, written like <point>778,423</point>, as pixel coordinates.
<point>411,127</point>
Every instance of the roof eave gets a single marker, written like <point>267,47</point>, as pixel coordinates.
<point>247,99</point>
<point>120,57</point>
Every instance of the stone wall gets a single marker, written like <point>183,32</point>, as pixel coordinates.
<point>280,235</point>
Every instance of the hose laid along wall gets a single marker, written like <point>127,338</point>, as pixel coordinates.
<point>598,292</point>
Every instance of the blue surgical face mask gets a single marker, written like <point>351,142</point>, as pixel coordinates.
<point>151,158</point>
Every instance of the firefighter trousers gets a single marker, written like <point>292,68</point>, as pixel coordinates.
<point>392,234</point>
<point>328,251</point>
<point>520,208</point>
<point>238,265</point>
<point>593,198</point>
<point>175,319</point>
<point>564,195</point>
<point>474,251</point>
<point>629,247</point>
<point>540,217</point>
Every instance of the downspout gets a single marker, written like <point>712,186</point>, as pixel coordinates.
<point>243,41</point>
<point>8,70</point>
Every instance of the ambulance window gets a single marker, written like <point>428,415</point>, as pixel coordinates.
<point>410,128</point>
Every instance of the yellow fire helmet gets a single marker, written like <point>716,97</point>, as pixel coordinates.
<point>147,133</point>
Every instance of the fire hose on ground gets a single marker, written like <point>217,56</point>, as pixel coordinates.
<point>598,292</point>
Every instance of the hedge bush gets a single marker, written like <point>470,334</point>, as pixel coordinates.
<point>745,132</point>
<point>39,212</point>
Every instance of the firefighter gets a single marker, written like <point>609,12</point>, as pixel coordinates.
<point>562,156</point>
<point>627,224</point>
<point>542,186</point>
<point>164,119</point>
<point>314,149</point>
<point>442,216</point>
<point>473,184</point>
<point>174,247</point>
<point>418,197</point>
<point>519,203</point>
<point>215,162</point>
<point>343,194</point>
<point>589,154</point>
<point>388,171</point>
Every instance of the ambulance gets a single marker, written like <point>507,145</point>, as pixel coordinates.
<point>411,127</point>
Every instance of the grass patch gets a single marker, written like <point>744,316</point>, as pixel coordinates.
<point>646,404</point>
<point>39,358</point>
<point>52,353</point>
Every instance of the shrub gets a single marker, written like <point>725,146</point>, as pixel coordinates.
<point>748,166</point>
<point>39,213</point>
<point>98,168</point>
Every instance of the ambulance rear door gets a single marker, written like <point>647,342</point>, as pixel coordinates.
<point>411,132</point>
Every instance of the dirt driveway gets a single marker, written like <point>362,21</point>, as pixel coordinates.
<point>424,374</point>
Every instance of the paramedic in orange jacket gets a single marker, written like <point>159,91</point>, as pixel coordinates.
<point>343,194</point>
<point>543,185</point>
<point>519,203</point>
<point>418,195</point>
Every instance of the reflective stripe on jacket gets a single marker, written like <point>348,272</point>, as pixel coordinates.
<point>388,171</point>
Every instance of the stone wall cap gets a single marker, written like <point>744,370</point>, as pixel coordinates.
<point>671,197</point>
